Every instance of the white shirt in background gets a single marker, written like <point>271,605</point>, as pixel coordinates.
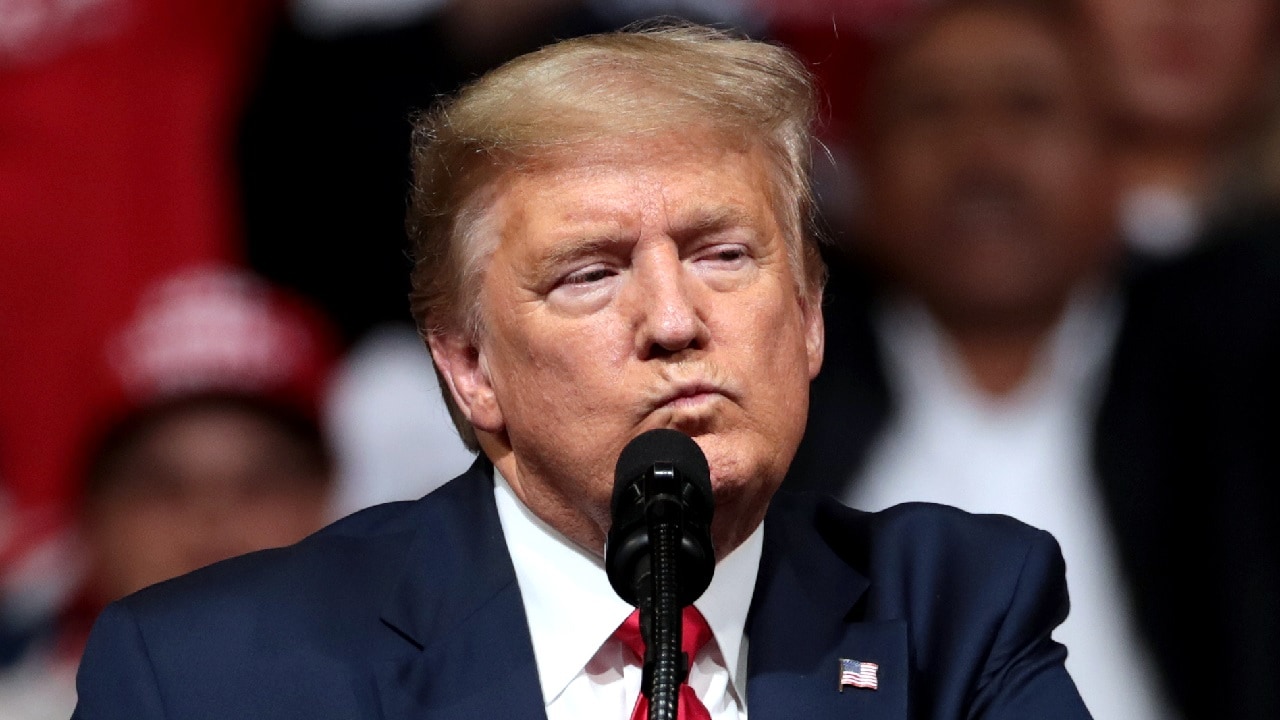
<point>1028,456</point>
<point>1161,221</point>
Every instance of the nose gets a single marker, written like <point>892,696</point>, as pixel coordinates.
<point>985,139</point>
<point>667,313</point>
<point>984,152</point>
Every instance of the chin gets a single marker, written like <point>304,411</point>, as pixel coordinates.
<point>735,476</point>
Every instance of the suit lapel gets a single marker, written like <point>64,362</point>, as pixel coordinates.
<point>458,609</point>
<point>804,620</point>
<point>458,613</point>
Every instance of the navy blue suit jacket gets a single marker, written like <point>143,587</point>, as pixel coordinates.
<point>412,611</point>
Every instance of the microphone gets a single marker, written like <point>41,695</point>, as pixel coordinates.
<point>658,553</point>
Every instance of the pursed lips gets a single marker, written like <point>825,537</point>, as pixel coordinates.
<point>690,394</point>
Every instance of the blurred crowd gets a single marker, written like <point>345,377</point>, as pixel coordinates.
<point>1054,249</point>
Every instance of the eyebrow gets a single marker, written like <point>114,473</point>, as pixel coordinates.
<point>575,247</point>
<point>704,221</point>
<point>695,224</point>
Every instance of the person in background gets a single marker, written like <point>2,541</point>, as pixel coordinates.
<point>218,449</point>
<point>212,448</point>
<point>991,346</point>
<point>1188,427</point>
<point>1193,87</point>
<point>118,120</point>
<point>989,215</point>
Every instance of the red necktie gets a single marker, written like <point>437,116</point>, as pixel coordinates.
<point>694,633</point>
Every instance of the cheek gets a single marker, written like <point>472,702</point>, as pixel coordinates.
<point>901,184</point>
<point>913,168</point>
<point>772,362</point>
<point>774,352</point>
<point>138,545</point>
<point>278,519</point>
<point>1236,64</point>
<point>558,368</point>
<point>1075,184</point>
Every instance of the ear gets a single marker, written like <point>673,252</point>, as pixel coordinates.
<point>463,367</point>
<point>814,330</point>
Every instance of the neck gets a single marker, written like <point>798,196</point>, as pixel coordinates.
<point>733,523</point>
<point>999,364</point>
<point>556,511</point>
<point>1000,357</point>
<point>1184,163</point>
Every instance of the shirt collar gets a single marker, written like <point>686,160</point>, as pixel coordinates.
<point>727,601</point>
<point>924,366</point>
<point>572,610</point>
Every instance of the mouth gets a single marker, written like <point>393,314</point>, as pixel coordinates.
<point>694,398</point>
<point>688,399</point>
<point>688,396</point>
<point>990,216</point>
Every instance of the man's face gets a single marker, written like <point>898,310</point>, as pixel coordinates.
<point>635,288</point>
<point>204,484</point>
<point>1186,68</point>
<point>988,183</point>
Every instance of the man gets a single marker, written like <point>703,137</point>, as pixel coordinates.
<point>610,238</point>
<point>207,445</point>
<point>212,444</point>
<point>1007,363</point>
<point>989,213</point>
<point>1192,91</point>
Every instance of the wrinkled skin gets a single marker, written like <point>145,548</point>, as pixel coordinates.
<point>634,287</point>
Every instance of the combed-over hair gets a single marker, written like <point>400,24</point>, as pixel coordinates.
<point>635,83</point>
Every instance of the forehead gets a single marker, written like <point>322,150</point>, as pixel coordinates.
<point>667,184</point>
<point>987,42</point>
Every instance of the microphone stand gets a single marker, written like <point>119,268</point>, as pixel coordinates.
<point>658,553</point>
<point>660,610</point>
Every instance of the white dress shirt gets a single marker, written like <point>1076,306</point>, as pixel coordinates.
<point>572,612</point>
<point>1026,455</point>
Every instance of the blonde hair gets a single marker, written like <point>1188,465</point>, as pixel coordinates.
<point>613,87</point>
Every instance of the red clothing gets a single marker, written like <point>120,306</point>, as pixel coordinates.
<point>117,120</point>
<point>839,41</point>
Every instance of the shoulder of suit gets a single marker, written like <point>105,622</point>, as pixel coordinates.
<point>912,523</point>
<point>920,523</point>
<point>915,541</point>
<point>351,563</point>
<point>933,564</point>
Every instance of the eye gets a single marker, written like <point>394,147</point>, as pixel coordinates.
<point>724,255</point>
<point>925,107</point>
<point>588,276</point>
<point>583,290</point>
<point>1029,103</point>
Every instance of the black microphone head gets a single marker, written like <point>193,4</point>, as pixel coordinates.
<point>673,455</point>
<point>662,445</point>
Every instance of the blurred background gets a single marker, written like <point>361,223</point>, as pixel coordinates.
<point>1053,229</point>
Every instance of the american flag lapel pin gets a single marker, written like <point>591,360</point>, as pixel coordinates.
<point>859,674</point>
